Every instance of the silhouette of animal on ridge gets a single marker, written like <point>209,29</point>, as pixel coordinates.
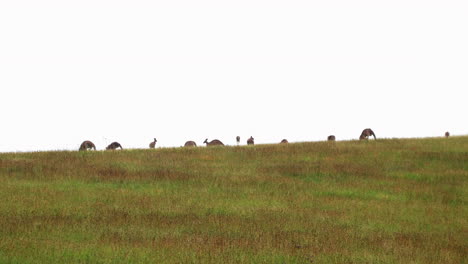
<point>153,144</point>
<point>86,145</point>
<point>447,134</point>
<point>190,144</point>
<point>366,133</point>
<point>250,141</point>
<point>213,142</point>
<point>284,141</point>
<point>113,146</point>
<point>238,140</point>
<point>331,138</point>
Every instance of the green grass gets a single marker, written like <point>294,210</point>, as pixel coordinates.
<point>385,201</point>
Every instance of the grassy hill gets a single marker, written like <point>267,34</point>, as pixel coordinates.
<point>385,201</point>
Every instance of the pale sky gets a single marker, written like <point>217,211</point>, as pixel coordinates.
<point>129,71</point>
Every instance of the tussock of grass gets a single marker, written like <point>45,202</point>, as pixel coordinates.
<point>385,201</point>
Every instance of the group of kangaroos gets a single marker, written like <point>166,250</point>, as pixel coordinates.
<point>88,145</point>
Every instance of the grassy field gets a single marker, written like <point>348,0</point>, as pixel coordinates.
<point>385,201</point>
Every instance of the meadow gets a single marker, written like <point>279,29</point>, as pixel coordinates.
<point>384,201</point>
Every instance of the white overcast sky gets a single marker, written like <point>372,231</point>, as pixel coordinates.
<point>178,70</point>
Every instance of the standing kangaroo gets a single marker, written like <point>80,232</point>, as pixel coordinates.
<point>447,134</point>
<point>190,144</point>
<point>250,141</point>
<point>238,140</point>
<point>153,144</point>
<point>87,145</point>
<point>214,142</point>
<point>366,133</point>
<point>331,138</point>
<point>114,145</point>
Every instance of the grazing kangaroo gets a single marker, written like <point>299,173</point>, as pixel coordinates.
<point>214,142</point>
<point>366,133</point>
<point>250,141</point>
<point>87,145</point>
<point>331,138</point>
<point>284,141</point>
<point>153,144</point>
<point>114,145</point>
<point>190,144</point>
<point>447,134</point>
<point>238,140</point>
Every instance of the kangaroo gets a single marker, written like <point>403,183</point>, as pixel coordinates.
<point>447,134</point>
<point>153,144</point>
<point>114,145</point>
<point>190,144</point>
<point>214,142</point>
<point>284,141</point>
<point>366,133</point>
<point>87,145</point>
<point>238,140</point>
<point>331,138</point>
<point>250,141</point>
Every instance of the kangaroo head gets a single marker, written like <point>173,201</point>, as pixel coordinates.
<point>206,141</point>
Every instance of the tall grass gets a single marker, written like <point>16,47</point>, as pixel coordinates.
<point>385,201</point>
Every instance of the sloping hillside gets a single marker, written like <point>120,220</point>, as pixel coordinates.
<point>385,201</point>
